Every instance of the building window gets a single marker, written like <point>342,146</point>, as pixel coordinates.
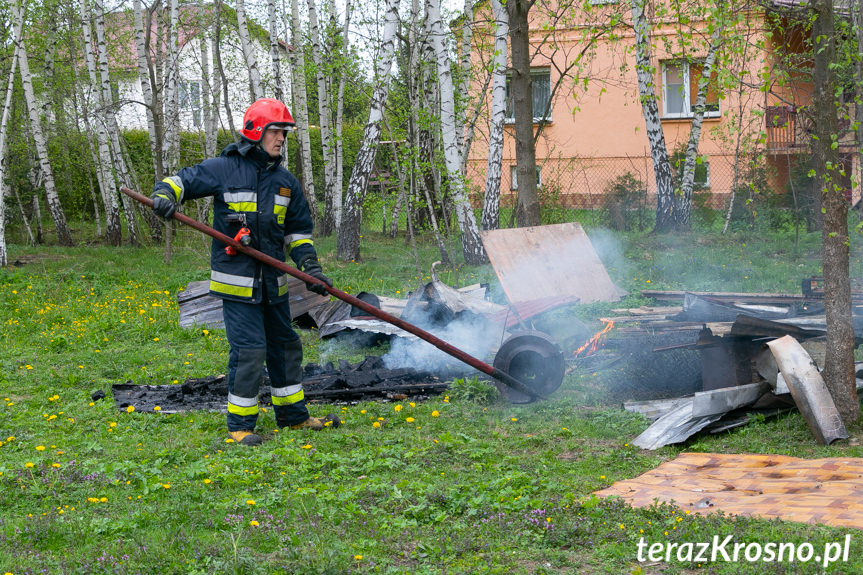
<point>680,88</point>
<point>513,177</point>
<point>190,100</point>
<point>541,88</point>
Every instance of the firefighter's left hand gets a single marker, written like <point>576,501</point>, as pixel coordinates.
<point>313,268</point>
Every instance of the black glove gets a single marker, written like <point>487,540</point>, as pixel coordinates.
<point>163,204</point>
<point>310,265</point>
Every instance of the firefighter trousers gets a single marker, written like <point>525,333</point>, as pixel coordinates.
<point>261,334</point>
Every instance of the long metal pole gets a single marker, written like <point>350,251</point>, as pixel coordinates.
<point>460,355</point>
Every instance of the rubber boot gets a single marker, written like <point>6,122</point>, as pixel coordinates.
<point>319,423</point>
<point>246,437</point>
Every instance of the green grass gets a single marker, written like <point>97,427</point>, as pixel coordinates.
<point>470,485</point>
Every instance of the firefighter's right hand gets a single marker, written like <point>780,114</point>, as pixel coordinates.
<point>163,205</point>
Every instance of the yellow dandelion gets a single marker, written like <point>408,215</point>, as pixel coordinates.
<point>40,448</point>
<point>307,446</point>
<point>229,440</point>
<point>376,424</point>
<point>409,419</point>
<point>56,465</point>
<point>157,408</point>
<point>250,501</point>
<point>363,411</point>
<point>358,557</point>
<point>398,407</point>
<point>253,523</point>
<point>208,481</point>
<point>166,485</point>
<point>93,499</point>
<point>435,414</point>
<point>103,499</point>
<point>513,419</point>
<point>412,404</point>
<point>28,464</point>
<point>130,409</point>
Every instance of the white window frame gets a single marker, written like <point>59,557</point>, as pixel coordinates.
<point>534,72</point>
<point>687,112</point>
<point>513,177</point>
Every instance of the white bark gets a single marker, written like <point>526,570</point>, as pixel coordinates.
<point>278,91</point>
<point>249,52</point>
<point>118,160</point>
<point>340,104</point>
<point>171,152</point>
<point>684,207</point>
<point>472,248</point>
<point>51,197</point>
<point>491,201</point>
<point>332,196</point>
<point>301,108</point>
<point>650,110</point>
<point>146,87</point>
<point>210,103</point>
<point>464,79</point>
<point>4,122</point>
<point>113,231</point>
<point>349,234</point>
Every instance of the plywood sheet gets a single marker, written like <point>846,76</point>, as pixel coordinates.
<point>546,261</point>
<point>824,491</point>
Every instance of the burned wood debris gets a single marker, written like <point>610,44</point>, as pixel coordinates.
<point>756,353</point>
<point>366,380</point>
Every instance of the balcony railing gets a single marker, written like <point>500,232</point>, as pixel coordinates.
<point>789,130</point>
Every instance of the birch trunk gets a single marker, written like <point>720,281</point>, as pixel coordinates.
<point>332,196</point>
<point>340,108</point>
<point>210,93</point>
<point>118,161</point>
<point>857,18</point>
<point>684,204</point>
<point>464,77</point>
<point>144,71</point>
<point>4,122</point>
<point>274,51</point>
<point>472,248</point>
<point>220,70</point>
<point>491,202</point>
<point>349,234</point>
<point>113,231</point>
<point>53,200</point>
<point>424,172</point>
<point>301,110</point>
<point>171,157</point>
<point>249,52</point>
<point>658,151</point>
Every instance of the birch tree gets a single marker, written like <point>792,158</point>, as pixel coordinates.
<point>332,196</point>
<point>658,151</point>
<point>275,55</point>
<point>472,248</point>
<point>255,88</point>
<point>349,234</point>
<point>4,123</point>
<point>684,205</point>
<point>301,108</point>
<point>113,232</point>
<point>491,200</point>
<point>171,158</point>
<point>52,198</point>
<point>339,151</point>
<point>146,76</point>
<point>118,160</point>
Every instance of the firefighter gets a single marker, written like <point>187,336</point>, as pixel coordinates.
<point>251,190</point>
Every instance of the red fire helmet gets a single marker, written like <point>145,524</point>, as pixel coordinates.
<point>261,114</point>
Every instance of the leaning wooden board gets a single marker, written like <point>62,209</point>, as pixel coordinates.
<point>546,261</point>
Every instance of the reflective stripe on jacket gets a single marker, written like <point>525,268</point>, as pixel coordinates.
<point>245,180</point>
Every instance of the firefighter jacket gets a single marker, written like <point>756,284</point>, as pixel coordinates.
<point>245,180</point>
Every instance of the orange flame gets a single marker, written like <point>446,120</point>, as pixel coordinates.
<point>592,344</point>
